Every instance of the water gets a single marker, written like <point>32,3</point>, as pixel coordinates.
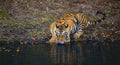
<point>79,53</point>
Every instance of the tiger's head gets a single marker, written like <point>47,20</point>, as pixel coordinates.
<point>62,31</point>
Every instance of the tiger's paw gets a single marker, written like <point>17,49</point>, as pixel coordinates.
<point>76,36</point>
<point>52,41</point>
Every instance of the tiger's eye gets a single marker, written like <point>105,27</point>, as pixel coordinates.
<point>57,34</point>
<point>66,34</point>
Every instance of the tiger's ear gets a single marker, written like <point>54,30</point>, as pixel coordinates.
<point>57,26</point>
<point>66,25</point>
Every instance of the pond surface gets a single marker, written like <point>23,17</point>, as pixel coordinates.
<point>79,53</point>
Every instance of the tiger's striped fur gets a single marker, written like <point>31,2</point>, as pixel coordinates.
<point>71,24</point>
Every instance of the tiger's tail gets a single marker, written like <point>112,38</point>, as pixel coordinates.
<point>101,19</point>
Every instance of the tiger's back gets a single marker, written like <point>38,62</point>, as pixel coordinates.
<point>83,20</point>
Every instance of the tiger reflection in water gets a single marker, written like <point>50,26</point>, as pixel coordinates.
<point>67,54</point>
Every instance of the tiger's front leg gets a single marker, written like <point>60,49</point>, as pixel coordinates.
<point>53,39</point>
<point>77,35</point>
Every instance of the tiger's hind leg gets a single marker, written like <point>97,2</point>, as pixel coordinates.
<point>77,35</point>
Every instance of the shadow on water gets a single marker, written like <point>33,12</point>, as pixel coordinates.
<point>77,53</point>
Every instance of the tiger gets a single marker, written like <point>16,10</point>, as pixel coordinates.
<point>71,25</point>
